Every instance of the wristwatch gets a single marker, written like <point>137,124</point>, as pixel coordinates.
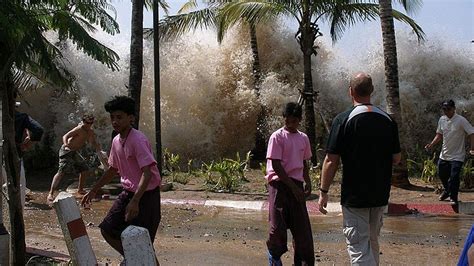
<point>323,190</point>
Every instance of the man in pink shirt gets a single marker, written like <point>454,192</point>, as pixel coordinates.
<point>130,157</point>
<point>287,171</point>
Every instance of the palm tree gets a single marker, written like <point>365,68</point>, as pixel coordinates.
<point>136,51</point>
<point>136,57</point>
<point>156,80</point>
<point>338,13</point>
<point>400,176</point>
<point>27,55</point>
<point>187,20</point>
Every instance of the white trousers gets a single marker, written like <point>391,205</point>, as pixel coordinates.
<point>361,227</point>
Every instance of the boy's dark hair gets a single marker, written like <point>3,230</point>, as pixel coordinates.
<point>120,103</point>
<point>293,109</point>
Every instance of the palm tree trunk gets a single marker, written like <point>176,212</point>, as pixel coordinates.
<point>136,57</point>
<point>4,236</point>
<point>306,44</point>
<point>400,174</point>
<point>12,167</point>
<point>156,73</point>
<point>259,151</point>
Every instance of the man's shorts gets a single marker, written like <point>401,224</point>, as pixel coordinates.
<point>71,162</point>
<point>149,214</point>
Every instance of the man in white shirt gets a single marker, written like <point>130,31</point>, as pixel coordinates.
<point>452,129</point>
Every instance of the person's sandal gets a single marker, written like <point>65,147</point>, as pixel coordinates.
<point>443,196</point>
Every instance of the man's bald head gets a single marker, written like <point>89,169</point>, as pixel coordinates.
<point>361,84</point>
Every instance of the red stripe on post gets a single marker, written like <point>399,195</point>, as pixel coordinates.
<point>76,228</point>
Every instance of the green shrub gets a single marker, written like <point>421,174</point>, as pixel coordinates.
<point>315,176</point>
<point>173,169</point>
<point>180,177</point>
<point>263,168</point>
<point>467,174</point>
<point>171,161</point>
<point>426,168</point>
<point>226,174</point>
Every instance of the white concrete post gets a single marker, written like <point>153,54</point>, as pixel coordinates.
<point>74,230</point>
<point>4,236</point>
<point>137,246</point>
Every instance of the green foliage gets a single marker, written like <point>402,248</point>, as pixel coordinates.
<point>426,168</point>
<point>171,161</point>
<point>467,174</point>
<point>172,165</point>
<point>226,174</point>
<point>191,169</point>
<point>315,176</point>
<point>180,177</point>
<point>25,50</point>
<point>338,14</point>
<point>263,168</point>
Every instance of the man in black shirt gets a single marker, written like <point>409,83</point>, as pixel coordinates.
<point>366,139</point>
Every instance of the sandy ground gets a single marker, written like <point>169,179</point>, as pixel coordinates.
<point>197,235</point>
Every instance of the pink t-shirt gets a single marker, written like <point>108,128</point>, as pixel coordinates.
<point>129,156</point>
<point>292,149</point>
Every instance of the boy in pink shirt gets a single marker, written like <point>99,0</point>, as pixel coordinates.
<point>287,171</point>
<point>130,157</point>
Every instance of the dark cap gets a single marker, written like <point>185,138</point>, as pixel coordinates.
<point>448,104</point>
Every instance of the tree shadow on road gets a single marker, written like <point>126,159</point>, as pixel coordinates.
<point>412,187</point>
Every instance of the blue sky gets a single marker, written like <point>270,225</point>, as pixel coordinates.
<point>449,20</point>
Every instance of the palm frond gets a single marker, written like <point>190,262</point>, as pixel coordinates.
<point>85,24</point>
<point>24,81</point>
<point>148,4</point>
<point>420,34</point>
<point>253,12</point>
<point>188,6</point>
<point>342,14</point>
<point>69,28</point>
<point>174,26</point>
<point>96,12</point>
<point>32,57</point>
<point>44,60</point>
<point>164,5</point>
<point>411,6</point>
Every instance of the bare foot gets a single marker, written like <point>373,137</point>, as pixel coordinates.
<point>50,200</point>
<point>78,195</point>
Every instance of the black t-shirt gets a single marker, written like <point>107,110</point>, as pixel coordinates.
<point>22,122</point>
<point>366,138</point>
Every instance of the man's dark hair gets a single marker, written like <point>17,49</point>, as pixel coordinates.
<point>120,103</point>
<point>293,109</point>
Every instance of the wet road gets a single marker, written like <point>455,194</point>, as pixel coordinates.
<point>196,235</point>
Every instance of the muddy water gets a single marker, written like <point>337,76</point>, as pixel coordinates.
<point>195,235</point>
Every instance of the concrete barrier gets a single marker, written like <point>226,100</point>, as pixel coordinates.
<point>137,246</point>
<point>74,230</point>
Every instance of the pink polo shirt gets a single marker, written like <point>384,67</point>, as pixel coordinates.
<point>129,156</point>
<point>292,149</point>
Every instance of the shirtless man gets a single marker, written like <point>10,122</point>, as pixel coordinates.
<point>69,159</point>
